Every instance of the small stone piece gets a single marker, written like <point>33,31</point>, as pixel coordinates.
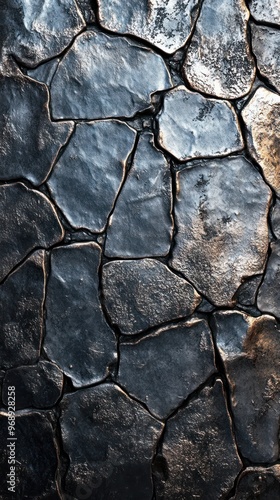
<point>110,440</point>
<point>263,11</point>
<point>191,126</point>
<point>88,176</point>
<point>163,369</point>
<point>219,61</point>
<point>215,247</point>
<point>27,220</point>
<point>265,45</point>
<point>262,119</point>
<point>199,450</point>
<point>275,219</point>
<point>141,224</point>
<point>247,292</point>
<point>259,484</point>
<point>78,337</point>
<point>104,76</point>
<point>45,72</point>
<point>86,9</point>
<point>140,294</point>
<point>167,24</point>
<point>250,350</point>
<point>269,292</point>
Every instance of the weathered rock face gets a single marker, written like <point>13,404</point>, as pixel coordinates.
<point>141,224</point>
<point>214,238</point>
<point>110,440</point>
<point>199,450</point>
<point>262,120</point>
<point>86,9</point>
<point>111,85</point>
<point>140,294</point>
<point>275,219</point>
<point>250,350</point>
<point>45,72</point>
<point>269,292</point>
<point>92,164</point>
<point>78,338</point>
<point>165,24</point>
<point>266,12</point>
<point>265,45</point>
<point>219,61</point>
<point>257,482</point>
<point>247,292</point>
<point>191,126</point>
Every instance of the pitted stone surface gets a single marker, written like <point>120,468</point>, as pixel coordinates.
<point>259,483</point>
<point>93,164</point>
<point>191,126</point>
<point>265,45</point>
<point>111,441</point>
<point>269,292</point>
<point>219,61</point>
<point>215,247</point>
<point>141,224</point>
<point>263,11</point>
<point>86,9</point>
<point>116,75</point>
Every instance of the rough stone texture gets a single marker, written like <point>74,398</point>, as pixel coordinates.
<point>214,238</point>
<point>21,313</point>
<point>163,369</point>
<point>275,219</point>
<point>93,164</point>
<point>250,350</point>
<point>219,60</point>
<point>110,440</point>
<point>27,220</point>
<point>29,141</point>
<point>262,120</point>
<point>165,24</point>
<point>140,294</point>
<point>191,126</point>
<point>199,450</point>
<point>269,292</point>
<point>86,8</point>
<point>45,72</point>
<point>259,483</point>
<point>263,11</point>
<point>141,224</point>
<point>113,85</point>
<point>247,292</point>
<point>78,337</point>
<point>265,45</point>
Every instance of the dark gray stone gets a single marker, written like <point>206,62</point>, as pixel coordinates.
<point>117,77</point>
<point>250,350</point>
<point>141,224</point>
<point>265,45</point>
<point>247,292</point>
<point>219,61</point>
<point>199,450</point>
<point>111,441</point>
<point>215,247</point>
<point>191,126</point>
<point>263,11</point>
<point>29,141</point>
<point>86,8</point>
<point>140,294</point>
<point>45,72</point>
<point>78,338</point>
<point>275,219</point>
<point>258,483</point>
<point>269,292</point>
<point>89,174</point>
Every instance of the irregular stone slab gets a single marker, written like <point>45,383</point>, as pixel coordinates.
<point>250,350</point>
<point>89,174</point>
<point>262,11</point>
<point>164,368</point>
<point>116,75</point>
<point>191,126</point>
<point>44,73</point>
<point>21,312</point>
<point>260,483</point>
<point>165,24</point>
<point>275,219</point>
<point>140,294</point>
<point>199,449</point>
<point>29,141</point>
<point>265,45</point>
<point>78,337</point>
<point>110,440</point>
<point>141,224</point>
<point>27,220</point>
<point>219,61</point>
<point>38,386</point>
<point>86,9</point>
<point>214,237</point>
<point>262,120</point>
<point>269,292</point>
<point>247,292</point>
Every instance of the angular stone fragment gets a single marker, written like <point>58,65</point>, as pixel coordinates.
<point>263,11</point>
<point>262,119</point>
<point>162,369</point>
<point>45,72</point>
<point>110,440</point>
<point>38,386</point>
<point>78,337</point>
<point>219,61</point>
<point>27,220</point>
<point>199,450</point>
<point>29,141</point>
<point>140,294</point>
<point>21,313</point>
<point>104,76</point>
<point>275,219</point>
<point>191,126</point>
<point>215,247</point>
<point>86,9</point>
<point>265,45</point>
<point>246,294</point>
<point>269,292</point>
<point>141,224</point>
<point>88,176</point>
<point>259,483</point>
<point>250,350</point>
<point>167,24</point>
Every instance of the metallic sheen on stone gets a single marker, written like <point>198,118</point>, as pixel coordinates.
<point>259,483</point>
<point>266,47</point>
<point>269,292</point>
<point>263,11</point>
